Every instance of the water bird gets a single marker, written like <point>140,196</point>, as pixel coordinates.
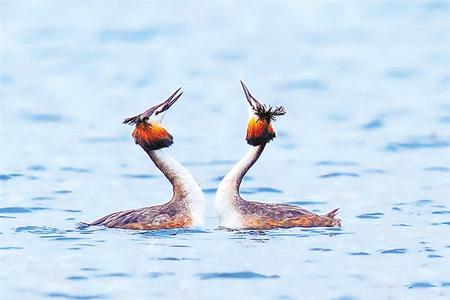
<point>186,208</point>
<point>233,211</point>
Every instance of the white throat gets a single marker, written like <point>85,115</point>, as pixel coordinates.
<point>184,184</point>
<point>227,195</point>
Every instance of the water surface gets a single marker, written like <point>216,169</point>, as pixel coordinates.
<point>366,87</point>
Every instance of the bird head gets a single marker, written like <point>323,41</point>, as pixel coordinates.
<point>260,129</point>
<point>148,131</point>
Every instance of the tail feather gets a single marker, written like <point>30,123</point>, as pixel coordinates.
<point>331,216</point>
<point>332,213</point>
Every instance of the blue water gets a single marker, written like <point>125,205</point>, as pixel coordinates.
<point>366,86</point>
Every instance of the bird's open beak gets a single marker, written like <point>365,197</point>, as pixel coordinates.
<point>254,104</point>
<point>157,109</point>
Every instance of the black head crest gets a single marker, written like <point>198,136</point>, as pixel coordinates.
<point>157,109</point>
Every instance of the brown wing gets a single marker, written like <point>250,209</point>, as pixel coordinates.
<point>148,218</point>
<point>267,216</point>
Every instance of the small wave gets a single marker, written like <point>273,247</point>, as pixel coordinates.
<point>74,296</point>
<point>437,169</point>
<point>21,210</point>
<point>43,118</point>
<point>336,163</point>
<point>339,174</point>
<point>235,275</point>
<point>154,275</point>
<point>360,253</point>
<point>375,215</point>
<point>138,176</point>
<point>420,285</point>
<point>260,190</point>
<point>428,142</point>
<point>75,170</point>
<point>374,124</point>
<point>320,249</point>
<point>395,251</point>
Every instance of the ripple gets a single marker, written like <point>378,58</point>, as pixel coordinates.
<point>421,202</point>
<point>418,143</point>
<point>129,35</point>
<point>260,190</point>
<point>320,249</point>
<point>420,285</point>
<point>65,238</point>
<point>11,248</point>
<point>176,258</point>
<point>138,176</point>
<point>43,118</point>
<point>374,124</point>
<point>74,296</point>
<point>235,275</point>
<point>21,210</point>
<point>75,170</point>
<point>5,78</point>
<point>445,119</point>
<point>42,198</point>
<point>395,251</point>
<point>374,171</point>
<point>441,212</point>
<point>159,274</point>
<point>37,168</point>
<point>437,169</point>
<point>210,191</point>
<point>62,192</point>
<point>38,229</point>
<point>339,174</point>
<point>336,163</point>
<point>88,269</point>
<point>5,177</point>
<point>441,223</point>
<point>76,278</point>
<point>115,275</point>
<point>375,215</point>
<point>359,253</point>
<point>402,73</point>
<point>219,178</point>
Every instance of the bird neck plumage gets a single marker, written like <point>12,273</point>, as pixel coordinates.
<point>184,185</point>
<point>232,181</point>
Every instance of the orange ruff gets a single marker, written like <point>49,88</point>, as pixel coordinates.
<point>259,131</point>
<point>152,134</point>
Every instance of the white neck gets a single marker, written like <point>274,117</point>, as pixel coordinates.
<point>185,188</point>
<point>228,191</point>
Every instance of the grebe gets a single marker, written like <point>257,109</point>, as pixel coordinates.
<point>186,208</point>
<point>237,213</point>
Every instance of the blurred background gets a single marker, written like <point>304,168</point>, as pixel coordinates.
<point>366,86</point>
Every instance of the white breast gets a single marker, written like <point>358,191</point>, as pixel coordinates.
<point>228,215</point>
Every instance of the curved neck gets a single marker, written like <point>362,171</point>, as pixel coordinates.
<point>184,185</point>
<point>232,181</point>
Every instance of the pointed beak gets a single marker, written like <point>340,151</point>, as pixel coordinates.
<point>254,104</point>
<point>157,109</point>
<point>164,106</point>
